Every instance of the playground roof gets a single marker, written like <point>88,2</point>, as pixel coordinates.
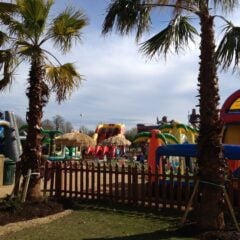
<point>190,150</point>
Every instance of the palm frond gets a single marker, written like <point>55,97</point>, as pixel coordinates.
<point>6,63</point>
<point>66,28</point>
<point>34,14</point>
<point>64,79</point>
<point>3,38</point>
<point>226,5</point>
<point>26,50</point>
<point>177,35</point>
<point>127,15</point>
<point>228,51</point>
<point>8,7</point>
<point>13,26</point>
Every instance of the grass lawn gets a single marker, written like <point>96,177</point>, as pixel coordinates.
<point>102,223</point>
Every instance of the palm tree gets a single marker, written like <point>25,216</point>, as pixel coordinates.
<point>30,30</point>
<point>128,15</point>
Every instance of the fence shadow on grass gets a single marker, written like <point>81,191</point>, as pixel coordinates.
<point>161,234</point>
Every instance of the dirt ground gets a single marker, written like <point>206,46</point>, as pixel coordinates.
<point>14,211</point>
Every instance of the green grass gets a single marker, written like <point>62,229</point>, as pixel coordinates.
<point>101,223</point>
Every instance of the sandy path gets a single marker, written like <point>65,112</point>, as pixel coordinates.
<point>14,227</point>
<point>5,190</point>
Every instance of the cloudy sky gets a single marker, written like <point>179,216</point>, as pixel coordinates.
<point>121,85</point>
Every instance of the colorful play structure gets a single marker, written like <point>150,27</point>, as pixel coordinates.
<point>104,131</point>
<point>107,130</point>
<point>169,133</point>
<point>184,155</point>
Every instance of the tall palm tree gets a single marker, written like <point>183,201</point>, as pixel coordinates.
<point>30,30</point>
<point>128,15</point>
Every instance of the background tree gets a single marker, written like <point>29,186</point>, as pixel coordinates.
<point>20,122</point>
<point>128,15</point>
<point>85,130</point>
<point>68,127</point>
<point>131,133</point>
<point>48,124</point>
<point>58,122</point>
<point>30,30</point>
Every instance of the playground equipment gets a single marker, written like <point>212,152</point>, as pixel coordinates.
<point>49,139</point>
<point>183,133</point>
<point>10,146</point>
<point>155,139</point>
<point>73,142</point>
<point>187,153</point>
<point>230,114</point>
<point>106,130</point>
<point>103,132</point>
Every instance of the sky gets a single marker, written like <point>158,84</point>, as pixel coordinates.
<point>120,84</point>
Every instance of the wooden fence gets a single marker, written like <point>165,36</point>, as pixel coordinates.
<point>133,185</point>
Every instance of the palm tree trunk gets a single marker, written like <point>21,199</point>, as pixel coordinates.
<point>33,149</point>
<point>211,161</point>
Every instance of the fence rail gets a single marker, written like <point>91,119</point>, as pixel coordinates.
<point>133,185</point>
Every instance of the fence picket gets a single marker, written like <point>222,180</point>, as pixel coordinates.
<point>135,185</point>
<point>122,183</point>
<point>116,183</point>
<point>93,180</point>
<point>129,177</point>
<point>171,188</point>
<point>76,165</point>
<point>150,189</point>
<point>143,191</point>
<point>87,181</point>
<point>110,182</point>
<point>104,180</point>
<point>98,181</point>
<point>156,188</point>
<point>81,179</point>
<point>70,175</point>
<point>52,179</point>
<point>179,188</point>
